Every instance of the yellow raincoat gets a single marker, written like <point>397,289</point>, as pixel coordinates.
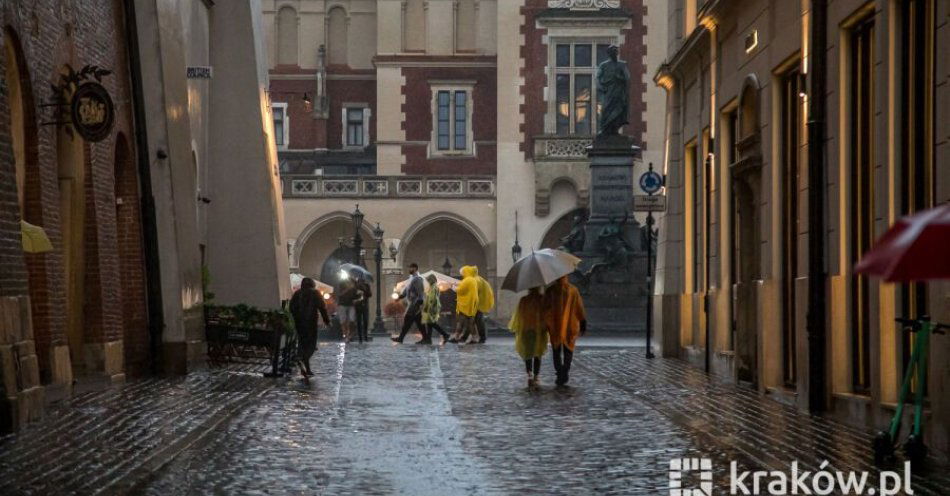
<point>564,312</point>
<point>467,292</point>
<point>531,337</point>
<point>486,297</point>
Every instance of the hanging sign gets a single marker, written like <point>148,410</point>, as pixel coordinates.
<point>92,111</point>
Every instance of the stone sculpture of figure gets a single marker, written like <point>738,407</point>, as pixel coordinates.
<point>613,87</point>
<point>574,241</point>
<point>614,245</point>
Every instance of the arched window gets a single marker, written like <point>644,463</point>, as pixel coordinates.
<point>414,26</point>
<point>287,36</point>
<point>748,120</point>
<point>336,36</point>
<point>17,120</point>
<point>465,26</point>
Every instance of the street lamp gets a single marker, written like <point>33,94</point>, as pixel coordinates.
<point>447,267</point>
<point>357,238</point>
<point>516,248</point>
<point>379,327</point>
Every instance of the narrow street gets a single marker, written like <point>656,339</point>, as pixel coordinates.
<point>384,419</point>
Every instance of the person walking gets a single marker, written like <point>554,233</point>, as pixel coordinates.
<point>346,308</point>
<point>466,307</point>
<point>414,294</point>
<point>306,307</point>
<point>531,337</point>
<point>565,319</point>
<point>431,308</point>
<point>364,296</point>
<point>486,301</point>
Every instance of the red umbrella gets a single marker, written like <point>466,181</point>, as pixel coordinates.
<point>916,248</point>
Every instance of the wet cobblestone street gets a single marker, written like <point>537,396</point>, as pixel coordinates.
<point>383,419</point>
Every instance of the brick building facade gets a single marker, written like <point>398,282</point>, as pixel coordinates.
<point>459,103</point>
<point>751,284</point>
<point>75,306</point>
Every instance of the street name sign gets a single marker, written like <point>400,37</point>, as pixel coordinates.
<point>649,203</point>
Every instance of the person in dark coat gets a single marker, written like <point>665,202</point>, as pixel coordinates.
<point>307,306</point>
<point>365,293</point>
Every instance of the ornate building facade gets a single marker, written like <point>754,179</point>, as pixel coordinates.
<point>460,126</point>
<point>751,284</point>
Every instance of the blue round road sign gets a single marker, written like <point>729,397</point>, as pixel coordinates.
<point>651,182</point>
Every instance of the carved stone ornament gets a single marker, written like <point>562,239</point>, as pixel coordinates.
<point>584,4</point>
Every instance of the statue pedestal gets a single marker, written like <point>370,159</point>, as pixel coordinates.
<point>612,274</point>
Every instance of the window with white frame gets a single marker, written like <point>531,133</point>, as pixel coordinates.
<point>452,109</point>
<point>355,125</point>
<point>281,124</point>
<point>575,104</point>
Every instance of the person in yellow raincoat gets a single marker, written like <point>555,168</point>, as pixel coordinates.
<point>565,319</point>
<point>486,301</point>
<point>466,306</point>
<point>531,337</point>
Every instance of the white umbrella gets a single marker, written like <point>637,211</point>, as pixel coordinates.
<point>445,282</point>
<point>540,268</point>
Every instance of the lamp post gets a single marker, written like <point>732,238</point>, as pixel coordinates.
<point>379,327</point>
<point>516,248</point>
<point>447,267</point>
<point>357,238</point>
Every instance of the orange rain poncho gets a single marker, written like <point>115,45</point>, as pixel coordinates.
<point>467,292</point>
<point>564,312</point>
<point>531,339</point>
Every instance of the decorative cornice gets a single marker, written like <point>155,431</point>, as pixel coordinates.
<point>584,4</point>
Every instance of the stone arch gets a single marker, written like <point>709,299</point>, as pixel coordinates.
<point>130,249</point>
<point>24,137</point>
<point>749,106</point>
<point>336,29</point>
<point>309,258</point>
<point>443,235</point>
<point>287,36</point>
<point>559,228</point>
<point>544,188</point>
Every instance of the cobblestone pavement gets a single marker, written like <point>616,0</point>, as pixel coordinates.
<point>385,419</point>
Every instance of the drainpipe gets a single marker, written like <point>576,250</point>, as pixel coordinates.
<point>816,319</point>
<point>156,317</point>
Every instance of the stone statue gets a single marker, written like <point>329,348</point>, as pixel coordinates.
<point>613,89</point>
<point>616,250</point>
<point>574,241</point>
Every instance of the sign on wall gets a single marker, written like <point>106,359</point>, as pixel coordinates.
<point>198,72</point>
<point>92,112</point>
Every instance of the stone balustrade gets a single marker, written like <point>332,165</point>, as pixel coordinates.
<point>310,186</point>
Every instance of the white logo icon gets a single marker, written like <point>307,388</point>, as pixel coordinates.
<point>680,466</point>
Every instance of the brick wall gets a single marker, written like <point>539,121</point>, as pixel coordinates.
<point>535,54</point>
<point>52,34</point>
<point>418,117</point>
<point>306,132</point>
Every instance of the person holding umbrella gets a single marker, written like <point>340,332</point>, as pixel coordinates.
<point>306,306</point>
<point>414,294</point>
<point>531,336</point>
<point>563,314</point>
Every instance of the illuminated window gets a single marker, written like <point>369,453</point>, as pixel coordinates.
<point>576,104</point>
